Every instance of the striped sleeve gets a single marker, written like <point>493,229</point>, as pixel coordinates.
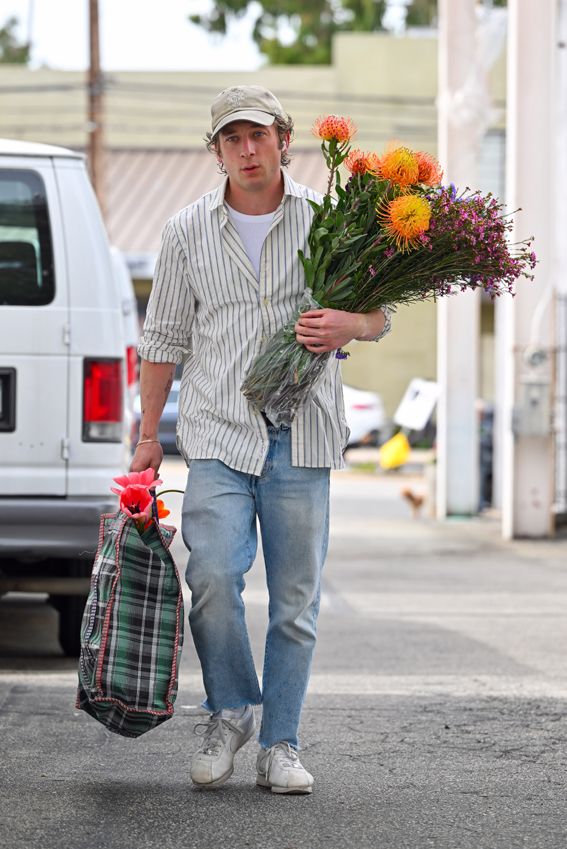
<point>171,307</point>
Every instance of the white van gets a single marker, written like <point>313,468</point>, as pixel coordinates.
<point>63,377</point>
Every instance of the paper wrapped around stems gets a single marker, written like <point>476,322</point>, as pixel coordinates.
<point>285,375</point>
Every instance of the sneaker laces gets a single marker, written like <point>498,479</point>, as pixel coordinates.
<point>286,756</point>
<point>214,733</point>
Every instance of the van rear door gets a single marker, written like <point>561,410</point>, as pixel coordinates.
<point>34,331</point>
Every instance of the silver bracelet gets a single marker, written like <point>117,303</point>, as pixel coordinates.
<point>387,324</point>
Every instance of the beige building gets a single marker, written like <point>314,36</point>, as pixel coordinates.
<point>157,163</point>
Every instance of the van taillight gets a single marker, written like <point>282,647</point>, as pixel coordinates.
<point>102,401</point>
<point>132,365</point>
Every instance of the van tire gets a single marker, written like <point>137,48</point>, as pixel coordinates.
<point>70,608</point>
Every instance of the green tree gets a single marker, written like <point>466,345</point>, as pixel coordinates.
<point>422,13</point>
<point>296,32</point>
<point>12,51</point>
<point>300,32</point>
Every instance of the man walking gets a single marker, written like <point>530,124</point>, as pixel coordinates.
<point>228,276</point>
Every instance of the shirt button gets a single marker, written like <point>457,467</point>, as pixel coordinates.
<point>265,301</point>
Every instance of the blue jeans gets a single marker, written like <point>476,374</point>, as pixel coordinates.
<point>219,529</point>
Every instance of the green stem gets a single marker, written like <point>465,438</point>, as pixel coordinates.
<point>331,164</point>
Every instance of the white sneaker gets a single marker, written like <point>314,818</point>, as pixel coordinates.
<point>280,769</point>
<point>213,764</point>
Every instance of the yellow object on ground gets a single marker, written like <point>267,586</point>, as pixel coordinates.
<point>394,452</point>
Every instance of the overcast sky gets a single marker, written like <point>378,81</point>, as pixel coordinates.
<point>135,35</point>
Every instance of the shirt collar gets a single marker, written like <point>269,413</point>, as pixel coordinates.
<point>217,197</point>
<point>290,186</point>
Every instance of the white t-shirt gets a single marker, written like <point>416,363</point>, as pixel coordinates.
<point>252,230</point>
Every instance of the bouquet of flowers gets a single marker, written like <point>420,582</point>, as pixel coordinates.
<point>392,235</point>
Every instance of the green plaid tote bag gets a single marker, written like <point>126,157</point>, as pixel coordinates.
<point>132,628</point>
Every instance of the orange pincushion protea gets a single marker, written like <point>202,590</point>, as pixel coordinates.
<point>405,219</point>
<point>400,166</point>
<point>334,128</point>
<point>430,172</point>
<point>359,162</point>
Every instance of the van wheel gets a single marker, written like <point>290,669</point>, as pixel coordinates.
<point>70,608</point>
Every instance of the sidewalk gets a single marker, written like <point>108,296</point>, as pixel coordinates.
<point>436,715</point>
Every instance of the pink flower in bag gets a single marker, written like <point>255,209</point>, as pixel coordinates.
<point>146,478</point>
<point>136,502</point>
<point>135,496</point>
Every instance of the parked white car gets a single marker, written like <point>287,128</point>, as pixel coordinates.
<point>63,380</point>
<point>365,416</point>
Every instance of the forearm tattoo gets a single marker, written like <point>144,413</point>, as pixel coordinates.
<point>166,390</point>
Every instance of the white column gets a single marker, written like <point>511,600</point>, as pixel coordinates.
<point>527,326</point>
<point>460,97</point>
<point>559,273</point>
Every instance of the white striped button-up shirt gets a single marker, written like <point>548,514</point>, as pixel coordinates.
<point>208,308</point>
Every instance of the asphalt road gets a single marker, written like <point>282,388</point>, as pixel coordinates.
<point>436,714</point>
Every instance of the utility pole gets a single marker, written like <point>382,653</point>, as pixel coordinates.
<point>95,97</point>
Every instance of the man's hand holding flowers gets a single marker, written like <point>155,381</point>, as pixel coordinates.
<point>326,330</point>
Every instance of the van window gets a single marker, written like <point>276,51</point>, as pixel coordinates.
<point>26,255</point>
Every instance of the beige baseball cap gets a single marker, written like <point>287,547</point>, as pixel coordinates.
<point>245,103</point>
